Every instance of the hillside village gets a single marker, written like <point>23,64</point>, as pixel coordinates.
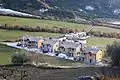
<point>71,46</point>
<point>49,40</point>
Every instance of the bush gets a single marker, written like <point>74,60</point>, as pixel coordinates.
<point>19,58</point>
<point>114,51</point>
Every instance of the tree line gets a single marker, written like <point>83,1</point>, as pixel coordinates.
<point>53,29</point>
<point>105,34</point>
<point>61,30</point>
<point>114,52</point>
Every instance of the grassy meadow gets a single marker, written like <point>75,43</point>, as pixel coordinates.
<point>39,22</point>
<point>14,34</point>
<point>101,41</point>
<point>6,53</point>
<point>50,23</point>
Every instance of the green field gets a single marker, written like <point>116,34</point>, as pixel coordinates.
<point>100,41</point>
<point>49,23</point>
<point>6,53</point>
<point>39,22</point>
<point>14,34</point>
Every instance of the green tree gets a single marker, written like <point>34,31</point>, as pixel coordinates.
<point>114,51</point>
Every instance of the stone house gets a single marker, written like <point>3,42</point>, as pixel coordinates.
<point>91,55</point>
<point>50,45</point>
<point>72,49</point>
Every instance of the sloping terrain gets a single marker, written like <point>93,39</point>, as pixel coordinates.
<point>66,9</point>
<point>33,73</point>
<point>6,53</point>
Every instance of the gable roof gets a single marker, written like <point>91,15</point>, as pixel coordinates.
<point>67,44</point>
<point>92,50</point>
<point>36,39</point>
<point>50,41</point>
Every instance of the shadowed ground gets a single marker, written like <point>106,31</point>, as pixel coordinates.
<point>33,73</point>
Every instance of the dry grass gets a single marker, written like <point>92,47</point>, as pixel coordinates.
<point>110,78</point>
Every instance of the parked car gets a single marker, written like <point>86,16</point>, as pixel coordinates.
<point>86,78</point>
<point>19,44</point>
<point>62,55</point>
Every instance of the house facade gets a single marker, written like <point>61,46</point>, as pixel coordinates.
<point>49,45</point>
<point>80,37</point>
<point>70,48</point>
<point>39,43</point>
<point>92,55</point>
<point>30,42</point>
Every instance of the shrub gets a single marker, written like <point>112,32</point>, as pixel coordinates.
<point>19,58</point>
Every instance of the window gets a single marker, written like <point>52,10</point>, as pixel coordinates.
<point>69,49</point>
<point>63,49</point>
<point>73,49</point>
<point>90,54</point>
<point>83,59</point>
<point>78,53</point>
<point>90,60</point>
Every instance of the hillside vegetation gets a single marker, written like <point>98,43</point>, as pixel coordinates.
<point>63,9</point>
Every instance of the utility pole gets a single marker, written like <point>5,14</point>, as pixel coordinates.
<point>23,43</point>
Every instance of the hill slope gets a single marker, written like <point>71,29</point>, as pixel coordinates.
<point>68,9</point>
<point>33,73</point>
